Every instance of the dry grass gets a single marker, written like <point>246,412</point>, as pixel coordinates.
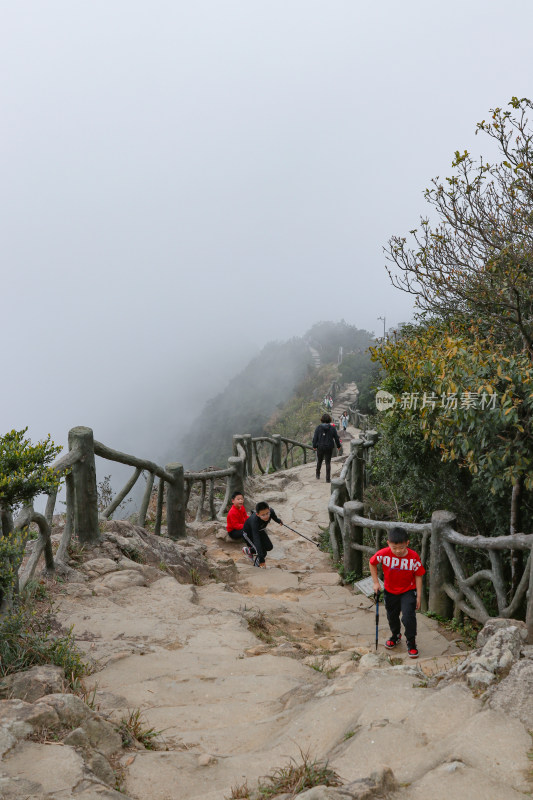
<point>259,625</point>
<point>293,778</point>
<point>133,728</point>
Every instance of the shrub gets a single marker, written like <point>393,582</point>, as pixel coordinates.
<point>27,639</point>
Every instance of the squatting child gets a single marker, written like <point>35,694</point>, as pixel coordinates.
<point>237,516</point>
<point>254,533</point>
<point>402,575</point>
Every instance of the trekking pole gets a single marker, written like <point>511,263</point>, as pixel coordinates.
<point>301,534</point>
<point>376,596</point>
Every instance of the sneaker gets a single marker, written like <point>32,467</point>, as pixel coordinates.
<point>248,553</point>
<point>263,565</point>
<point>393,641</point>
<point>412,651</point>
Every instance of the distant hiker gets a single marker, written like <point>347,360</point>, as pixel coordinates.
<point>255,534</point>
<point>237,516</point>
<point>324,438</point>
<point>402,573</point>
<point>344,420</point>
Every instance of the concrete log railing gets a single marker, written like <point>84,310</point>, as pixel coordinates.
<point>271,453</point>
<point>453,589</point>
<point>174,490</point>
<point>448,588</point>
<point>345,490</point>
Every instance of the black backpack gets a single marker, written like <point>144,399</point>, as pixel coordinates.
<point>325,436</point>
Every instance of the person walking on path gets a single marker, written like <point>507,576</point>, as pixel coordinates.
<point>254,533</point>
<point>324,438</point>
<point>344,421</point>
<point>236,518</point>
<point>402,572</point>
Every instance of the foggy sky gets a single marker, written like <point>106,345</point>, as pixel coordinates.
<point>184,181</point>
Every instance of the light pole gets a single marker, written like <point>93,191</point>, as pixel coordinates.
<point>383,318</point>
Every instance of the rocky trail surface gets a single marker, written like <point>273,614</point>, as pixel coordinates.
<point>241,669</point>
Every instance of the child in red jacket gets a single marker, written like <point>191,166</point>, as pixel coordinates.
<point>237,516</point>
<point>402,574</point>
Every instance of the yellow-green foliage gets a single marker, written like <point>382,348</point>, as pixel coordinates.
<point>11,550</point>
<point>24,468</point>
<point>454,374</point>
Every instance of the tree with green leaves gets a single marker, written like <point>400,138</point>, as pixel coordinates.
<point>476,259</point>
<point>25,472</point>
<point>469,266</point>
<point>473,404</point>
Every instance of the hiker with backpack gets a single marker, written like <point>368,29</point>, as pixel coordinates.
<point>324,439</point>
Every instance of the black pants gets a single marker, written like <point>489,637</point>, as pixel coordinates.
<point>235,534</point>
<point>405,604</point>
<point>324,454</point>
<point>260,544</point>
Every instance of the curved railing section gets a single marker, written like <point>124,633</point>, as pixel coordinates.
<point>271,453</point>
<point>449,589</point>
<point>174,492</point>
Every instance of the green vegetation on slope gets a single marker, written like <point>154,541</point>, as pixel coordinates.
<point>301,414</point>
<point>246,404</point>
<point>461,434</point>
<point>279,391</point>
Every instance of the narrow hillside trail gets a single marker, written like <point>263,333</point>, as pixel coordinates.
<point>242,675</point>
<point>345,398</point>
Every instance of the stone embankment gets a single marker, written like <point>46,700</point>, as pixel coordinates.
<point>242,669</point>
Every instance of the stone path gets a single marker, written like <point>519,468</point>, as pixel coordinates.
<point>243,674</point>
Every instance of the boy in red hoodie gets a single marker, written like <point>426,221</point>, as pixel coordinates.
<point>237,516</point>
<point>402,574</point>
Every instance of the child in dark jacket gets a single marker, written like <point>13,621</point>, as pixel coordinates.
<point>237,516</point>
<point>254,533</point>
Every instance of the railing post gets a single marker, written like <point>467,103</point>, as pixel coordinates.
<point>147,496</point>
<point>358,471</point>
<point>440,569</point>
<point>86,526</point>
<point>248,447</point>
<point>353,534</point>
<point>276,452</point>
<point>236,479</point>
<point>529,607</point>
<point>176,502</point>
<point>372,437</point>
<point>335,530</point>
<point>238,439</point>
